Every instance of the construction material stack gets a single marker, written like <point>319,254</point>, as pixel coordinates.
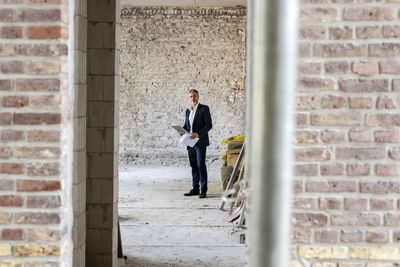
<point>234,192</point>
<point>229,158</point>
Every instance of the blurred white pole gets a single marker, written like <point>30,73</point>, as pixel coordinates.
<point>272,64</point>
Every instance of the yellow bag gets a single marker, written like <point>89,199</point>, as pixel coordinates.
<point>233,138</point>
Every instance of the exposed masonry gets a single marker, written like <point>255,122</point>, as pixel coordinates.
<point>102,132</point>
<point>346,205</point>
<point>346,208</point>
<point>34,144</point>
<point>79,144</point>
<point>164,53</point>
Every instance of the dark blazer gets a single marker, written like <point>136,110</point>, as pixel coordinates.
<point>202,123</point>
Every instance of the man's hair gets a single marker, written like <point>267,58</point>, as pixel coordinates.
<point>193,91</point>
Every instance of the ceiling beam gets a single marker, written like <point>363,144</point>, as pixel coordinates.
<point>220,3</point>
<point>183,3</point>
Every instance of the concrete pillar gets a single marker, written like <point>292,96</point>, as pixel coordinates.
<point>102,132</point>
<point>79,123</point>
<point>272,29</point>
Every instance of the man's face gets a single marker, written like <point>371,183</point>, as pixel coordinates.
<point>194,98</point>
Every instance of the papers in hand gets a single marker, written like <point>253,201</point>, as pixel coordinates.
<point>185,140</point>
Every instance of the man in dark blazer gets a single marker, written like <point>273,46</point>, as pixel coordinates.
<point>198,123</point>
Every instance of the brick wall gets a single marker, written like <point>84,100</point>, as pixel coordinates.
<point>164,53</point>
<point>34,128</point>
<point>346,205</point>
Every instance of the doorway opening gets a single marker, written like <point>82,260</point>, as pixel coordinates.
<point>165,52</point>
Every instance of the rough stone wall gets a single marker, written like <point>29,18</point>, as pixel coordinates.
<point>347,205</point>
<point>35,133</point>
<point>164,53</point>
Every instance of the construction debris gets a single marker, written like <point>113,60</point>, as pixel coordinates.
<point>229,158</point>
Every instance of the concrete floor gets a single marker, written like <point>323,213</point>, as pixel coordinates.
<point>161,227</point>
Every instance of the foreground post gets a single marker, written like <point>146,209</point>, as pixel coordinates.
<point>271,72</point>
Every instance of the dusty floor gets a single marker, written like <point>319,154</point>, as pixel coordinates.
<point>161,227</point>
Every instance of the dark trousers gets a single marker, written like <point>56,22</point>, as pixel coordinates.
<point>197,158</point>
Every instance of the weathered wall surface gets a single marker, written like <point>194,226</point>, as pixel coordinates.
<point>347,206</point>
<point>166,52</point>
<point>35,133</point>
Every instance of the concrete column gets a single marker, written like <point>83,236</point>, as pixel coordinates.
<point>79,145</point>
<point>102,132</point>
<point>272,80</point>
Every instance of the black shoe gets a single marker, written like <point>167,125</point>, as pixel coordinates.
<point>192,192</point>
<point>203,195</point>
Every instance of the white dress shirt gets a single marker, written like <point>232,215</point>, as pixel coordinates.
<point>191,116</point>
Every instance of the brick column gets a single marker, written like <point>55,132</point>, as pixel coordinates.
<point>102,132</point>
<point>35,127</point>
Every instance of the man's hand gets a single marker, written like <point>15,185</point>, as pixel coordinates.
<point>194,135</point>
<point>179,132</point>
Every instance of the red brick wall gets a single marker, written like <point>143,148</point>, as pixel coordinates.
<point>346,205</point>
<point>34,119</point>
